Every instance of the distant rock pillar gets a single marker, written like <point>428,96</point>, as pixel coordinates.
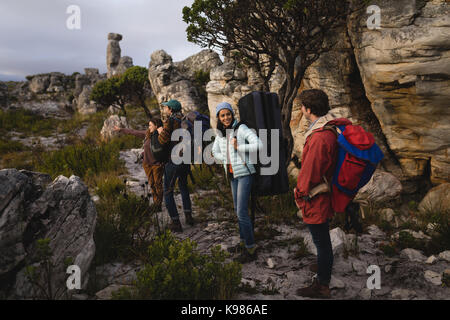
<point>113,53</point>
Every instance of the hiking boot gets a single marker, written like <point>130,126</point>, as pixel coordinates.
<point>189,219</point>
<point>247,255</point>
<point>315,290</point>
<point>175,226</point>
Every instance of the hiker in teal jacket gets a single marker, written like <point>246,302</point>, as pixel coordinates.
<point>233,150</point>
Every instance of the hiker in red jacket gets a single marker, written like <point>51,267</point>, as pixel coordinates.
<point>312,194</point>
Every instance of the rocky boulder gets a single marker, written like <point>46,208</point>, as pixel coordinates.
<point>168,82</point>
<point>228,83</point>
<point>437,199</point>
<point>107,132</point>
<point>405,66</point>
<point>203,61</point>
<point>39,83</point>
<point>381,188</point>
<point>84,104</point>
<point>32,208</point>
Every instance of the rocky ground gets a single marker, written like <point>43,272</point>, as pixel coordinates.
<point>282,264</point>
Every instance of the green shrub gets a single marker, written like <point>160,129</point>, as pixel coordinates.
<point>18,160</point>
<point>175,270</point>
<point>205,177</point>
<point>406,240</point>
<point>440,219</point>
<point>389,249</point>
<point>26,121</point>
<point>80,160</point>
<point>281,208</point>
<point>109,186</point>
<point>124,224</point>
<point>10,146</point>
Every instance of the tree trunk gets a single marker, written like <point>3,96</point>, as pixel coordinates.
<point>147,112</point>
<point>288,92</point>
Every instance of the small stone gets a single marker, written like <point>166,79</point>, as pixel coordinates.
<point>387,214</point>
<point>416,235</point>
<point>376,232</point>
<point>365,294</point>
<point>360,267</point>
<point>336,283</point>
<point>412,255</point>
<point>431,227</point>
<point>388,268</point>
<point>445,255</point>
<point>270,263</point>
<point>79,296</point>
<point>402,294</point>
<point>431,260</point>
<point>250,283</point>
<point>433,277</point>
<point>212,227</point>
<point>106,293</point>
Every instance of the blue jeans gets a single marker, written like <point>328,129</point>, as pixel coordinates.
<point>241,188</point>
<point>172,172</point>
<point>321,238</point>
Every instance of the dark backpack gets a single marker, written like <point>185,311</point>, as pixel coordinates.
<point>161,152</point>
<point>188,123</point>
<point>261,110</point>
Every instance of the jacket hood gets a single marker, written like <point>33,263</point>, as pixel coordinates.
<point>329,118</point>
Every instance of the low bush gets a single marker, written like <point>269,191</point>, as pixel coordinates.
<point>10,146</point>
<point>281,208</point>
<point>80,160</point>
<point>124,224</point>
<point>26,121</point>
<point>175,270</point>
<point>439,219</point>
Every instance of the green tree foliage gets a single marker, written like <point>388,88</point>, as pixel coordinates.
<point>107,93</point>
<point>130,87</point>
<point>265,34</point>
<point>134,83</point>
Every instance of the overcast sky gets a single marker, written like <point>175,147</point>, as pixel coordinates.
<point>34,37</point>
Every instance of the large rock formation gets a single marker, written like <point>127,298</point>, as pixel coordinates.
<point>393,81</point>
<point>53,94</point>
<point>32,208</point>
<point>171,80</point>
<point>114,62</point>
<point>405,68</point>
<point>229,83</point>
<point>83,88</point>
<point>203,61</point>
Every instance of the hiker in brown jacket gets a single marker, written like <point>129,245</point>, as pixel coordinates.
<point>152,167</point>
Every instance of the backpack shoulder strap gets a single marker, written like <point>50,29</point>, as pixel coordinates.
<point>333,128</point>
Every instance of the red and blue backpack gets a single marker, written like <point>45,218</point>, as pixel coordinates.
<point>357,159</point>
